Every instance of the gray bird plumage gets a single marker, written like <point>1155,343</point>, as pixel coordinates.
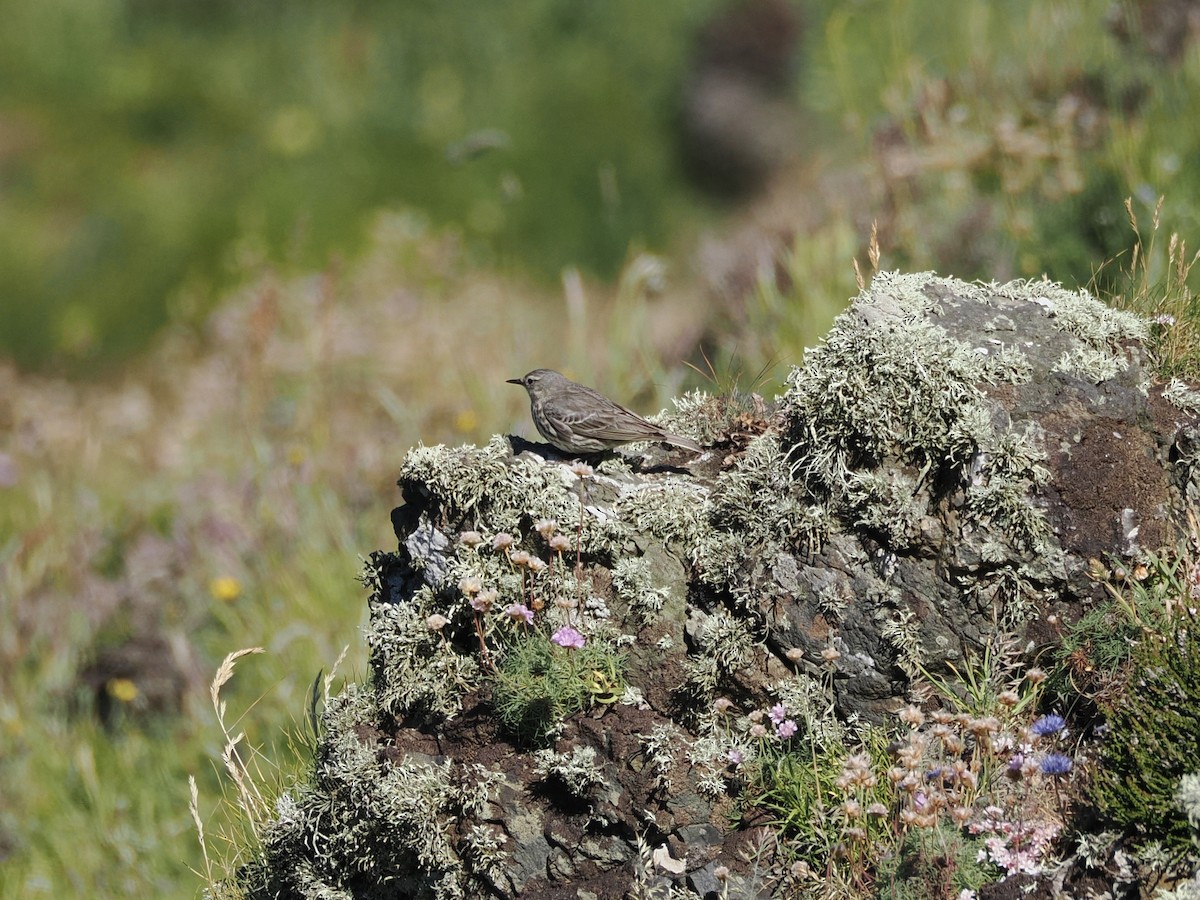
<point>577,419</point>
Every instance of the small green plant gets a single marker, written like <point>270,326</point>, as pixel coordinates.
<point>541,682</point>
<point>1153,743</point>
<point>936,862</point>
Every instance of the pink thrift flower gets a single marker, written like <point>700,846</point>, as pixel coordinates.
<point>483,601</point>
<point>568,637</point>
<point>520,611</point>
<point>778,713</point>
<point>786,728</point>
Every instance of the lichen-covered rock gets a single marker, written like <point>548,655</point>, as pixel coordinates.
<point>563,656</point>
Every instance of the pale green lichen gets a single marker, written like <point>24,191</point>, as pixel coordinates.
<point>658,749</point>
<point>902,629</point>
<point>886,503</point>
<point>873,393</point>
<point>724,646</point>
<point>364,821</point>
<point>1091,365</point>
<point>418,672</point>
<point>1188,799</point>
<point>708,756</point>
<point>1079,313</point>
<point>577,770</point>
<point>1003,474</point>
<point>756,512</point>
<point>891,404</point>
<point>670,510</point>
<point>1008,365</point>
<point>485,488</point>
<point>1181,395</point>
<point>633,580</point>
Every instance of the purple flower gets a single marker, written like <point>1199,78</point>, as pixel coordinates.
<point>566,637</point>
<point>520,611</point>
<point>1015,762</point>
<point>735,757</point>
<point>778,713</point>
<point>1048,725</point>
<point>1056,764</point>
<point>786,728</point>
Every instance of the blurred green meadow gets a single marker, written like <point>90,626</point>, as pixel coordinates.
<point>250,253</point>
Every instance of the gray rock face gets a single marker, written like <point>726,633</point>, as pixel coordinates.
<point>941,469</point>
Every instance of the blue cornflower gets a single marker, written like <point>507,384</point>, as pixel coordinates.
<point>1048,725</point>
<point>1056,764</point>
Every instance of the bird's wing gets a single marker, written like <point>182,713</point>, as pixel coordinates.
<point>603,420</point>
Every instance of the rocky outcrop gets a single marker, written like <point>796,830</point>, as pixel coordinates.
<point>565,656</point>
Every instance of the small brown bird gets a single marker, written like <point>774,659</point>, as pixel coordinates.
<point>576,419</point>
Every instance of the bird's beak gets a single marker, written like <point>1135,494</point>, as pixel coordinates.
<point>520,381</point>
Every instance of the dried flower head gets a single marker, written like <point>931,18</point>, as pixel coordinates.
<point>535,565</point>
<point>795,655</point>
<point>1035,676</point>
<point>519,557</point>
<point>518,612</point>
<point>436,622</point>
<point>830,655</point>
<point>1009,698</point>
<point>470,585</point>
<point>560,543</point>
<point>470,538</point>
<point>722,705</point>
<point>984,725</point>
<point>757,730</point>
<point>483,601</point>
<point>502,541</point>
<point>582,470</point>
<point>912,717</point>
<point>545,527</point>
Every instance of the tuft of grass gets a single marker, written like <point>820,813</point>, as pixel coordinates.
<point>538,685</point>
<point>1154,282</point>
